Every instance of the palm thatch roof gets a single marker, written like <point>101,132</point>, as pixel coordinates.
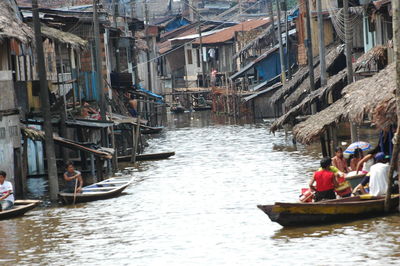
<point>372,61</point>
<point>336,82</point>
<point>11,24</point>
<point>292,84</point>
<point>264,39</point>
<point>56,35</point>
<point>333,57</point>
<point>373,97</point>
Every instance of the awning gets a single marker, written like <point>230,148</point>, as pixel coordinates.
<point>259,93</point>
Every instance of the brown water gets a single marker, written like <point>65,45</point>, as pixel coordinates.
<point>199,208</point>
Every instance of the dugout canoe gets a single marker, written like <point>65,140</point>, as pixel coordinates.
<point>151,130</point>
<point>177,109</point>
<point>147,157</point>
<point>20,208</point>
<point>330,211</point>
<point>106,189</point>
<point>201,108</point>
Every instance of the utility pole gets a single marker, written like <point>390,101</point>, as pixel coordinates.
<point>289,68</point>
<point>271,16</point>
<point>349,47</point>
<point>201,52</point>
<point>45,106</point>
<point>281,55</point>
<point>396,139</point>
<point>322,62</point>
<point>308,44</point>
<point>99,75</point>
<point>146,13</point>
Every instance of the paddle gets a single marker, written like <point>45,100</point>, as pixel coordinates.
<point>76,186</point>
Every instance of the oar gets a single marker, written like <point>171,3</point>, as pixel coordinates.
<point>76,186</point>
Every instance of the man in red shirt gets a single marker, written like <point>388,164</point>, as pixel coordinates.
<point>325,181</point>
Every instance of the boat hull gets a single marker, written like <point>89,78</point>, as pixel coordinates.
<point>20,208</point>
<point>68,198</point>
<point>304,214</point>
<point>147,157</point>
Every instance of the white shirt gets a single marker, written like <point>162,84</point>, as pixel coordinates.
<point>378,179</point>
<point>367,165</point>
<point>7,186</point>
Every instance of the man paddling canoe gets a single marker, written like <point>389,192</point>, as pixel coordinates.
<point>72,177</point>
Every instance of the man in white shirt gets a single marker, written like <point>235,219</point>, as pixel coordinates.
<point>378,175</point>
<point>6,193</point>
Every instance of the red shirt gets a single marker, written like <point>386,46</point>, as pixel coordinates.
<point>324,179</point>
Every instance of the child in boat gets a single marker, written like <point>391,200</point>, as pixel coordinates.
<point>6,193</point>
<point>339,161</point>
<point>325,181</point>
<point>356,158</point>
<point>72,178</point>
<point>367,161</point>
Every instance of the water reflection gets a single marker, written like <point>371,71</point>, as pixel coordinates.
<point>199,208</point>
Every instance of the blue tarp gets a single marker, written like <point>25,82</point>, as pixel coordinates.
<point>270,67</point>
<point>294,15</point>
<point>159,98</point>
<point>176,23</point>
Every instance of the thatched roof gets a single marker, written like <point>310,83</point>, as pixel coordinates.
<point>373,60</point>
<point>373,96</point>
<point>334,55</point>
<point>56,35</point>
<point>264,38</point>
<point>11,25</point>
<point>336,82</point>
<point>292,84</point>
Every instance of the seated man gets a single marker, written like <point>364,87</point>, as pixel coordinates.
<point>72,177</point>
<point>6,193</point>
<point>325,181</point>
<point>378,175</point>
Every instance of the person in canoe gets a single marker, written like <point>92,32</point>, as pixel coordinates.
<point>367,161</point>
<point>355,159</point>
<point>325,181</point>
<point>6,193</point>
<point>339,161</point>
<point>378,175</point>
<point>73,179</point>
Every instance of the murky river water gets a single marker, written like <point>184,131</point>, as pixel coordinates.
<point>199,208</point>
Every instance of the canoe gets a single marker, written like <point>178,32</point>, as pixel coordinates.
<point>106,189</point>
<point>355,180</point>
<point>177,109</point>
<point>330,211</point>
<point>202,108</point>
<point>20,208</point>
<point>151,130</point>
<point>147,157</point>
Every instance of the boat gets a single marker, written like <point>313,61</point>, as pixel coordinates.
<point>329,211</point>
<point>20,208</point>
<point>106,189</point>
<point>151,130</point>
<point>177,108</point>
<point>202,108</point>
<point>355,179</point>
<point>147,157</point>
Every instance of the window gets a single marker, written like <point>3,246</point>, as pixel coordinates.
<point>189,56</point>
<point>2,132</point>
<point>198,57</point>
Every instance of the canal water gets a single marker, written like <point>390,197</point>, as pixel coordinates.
<point>199,208</point>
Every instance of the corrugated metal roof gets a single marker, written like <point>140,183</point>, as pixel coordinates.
<point>229,33</point>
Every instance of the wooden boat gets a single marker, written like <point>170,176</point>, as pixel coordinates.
<point>106,189</point>
<point>147,157</point>
<point>355,179</point>
<point>151,130</point>
<point>175,108</point>
<point>330,211</point>
<point>202,108</point>
<point>20,208</point>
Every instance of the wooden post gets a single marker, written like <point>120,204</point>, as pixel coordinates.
<point>321,36</point>
<point>45,106</point>
<point>281,56</point>
<point>271,16</point>
<point>396,139</point>
<point>289,68</point>
<point>310,60</point>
